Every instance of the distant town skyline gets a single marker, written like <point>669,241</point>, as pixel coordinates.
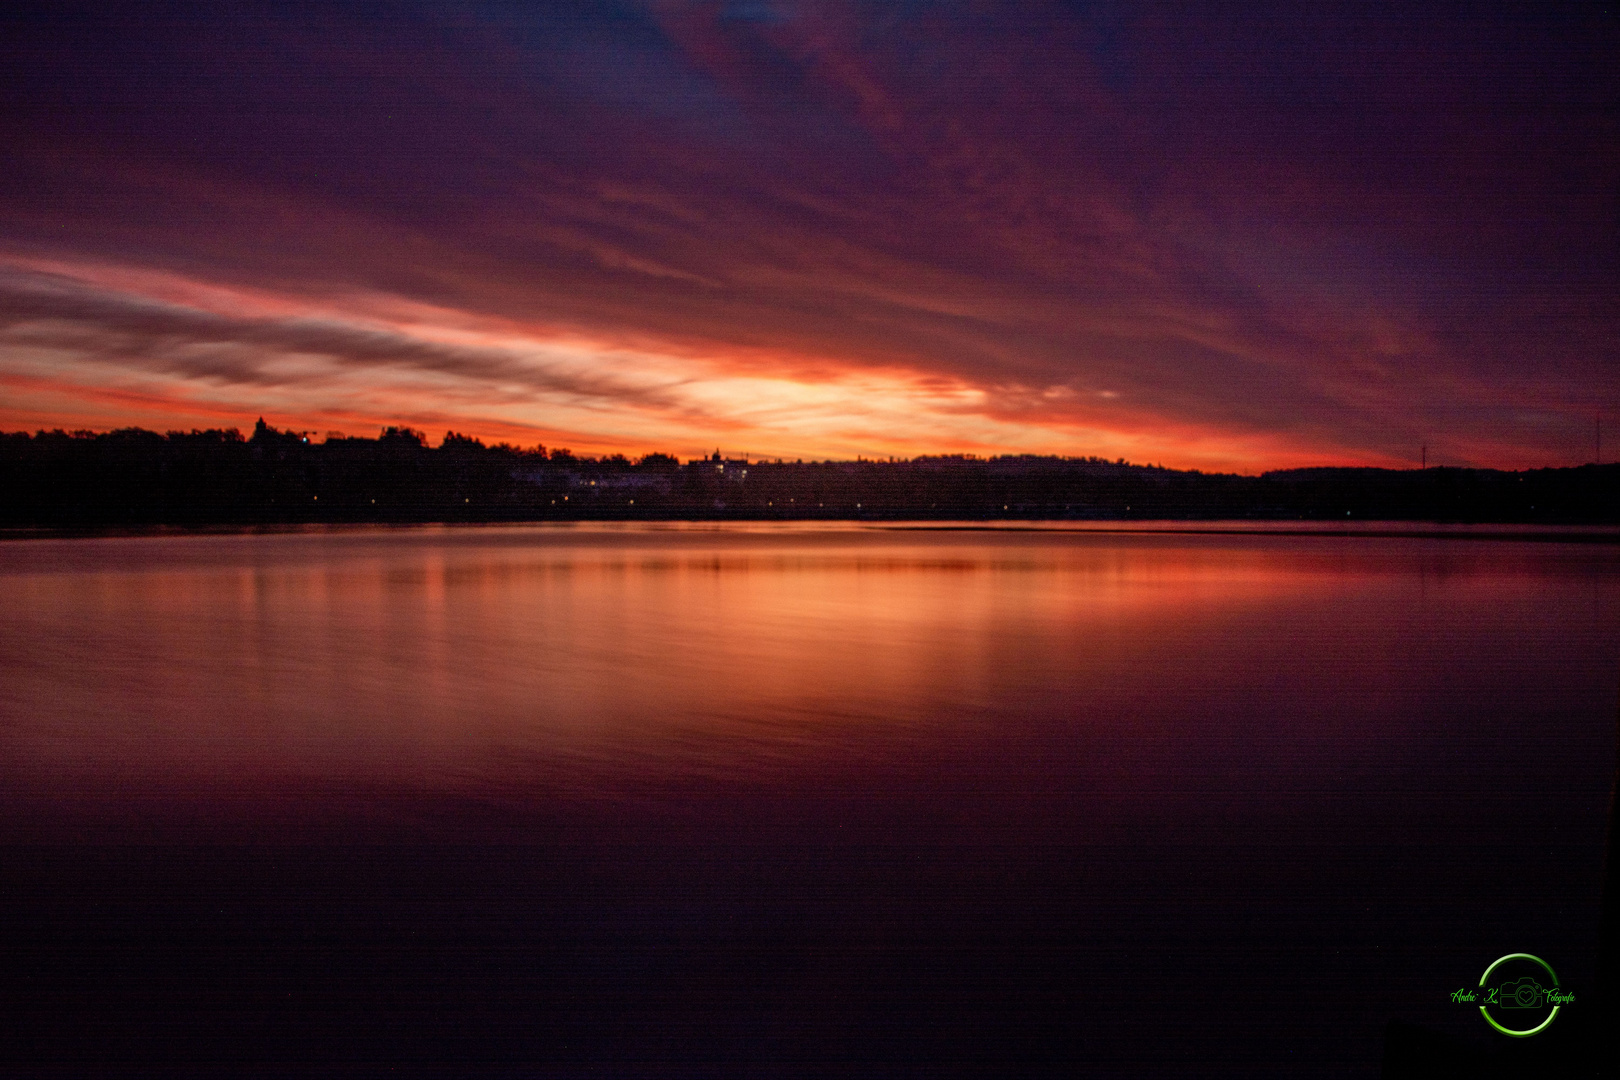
<point>1256,239</point>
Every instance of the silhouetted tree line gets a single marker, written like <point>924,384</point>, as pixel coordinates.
<point>133,477</point>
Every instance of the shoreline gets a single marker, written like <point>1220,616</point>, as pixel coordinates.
<point>1574,533</point>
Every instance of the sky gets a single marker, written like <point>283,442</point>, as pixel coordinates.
<point>1220,236</point>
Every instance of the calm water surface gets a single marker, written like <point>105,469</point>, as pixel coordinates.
<point>789,800</point>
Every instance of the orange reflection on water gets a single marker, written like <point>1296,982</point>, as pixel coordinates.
<point>584,658</point>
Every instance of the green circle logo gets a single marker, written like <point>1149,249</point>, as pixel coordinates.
<point>1523,991</point>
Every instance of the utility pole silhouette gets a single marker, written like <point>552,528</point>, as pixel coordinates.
<point>1425,456</point>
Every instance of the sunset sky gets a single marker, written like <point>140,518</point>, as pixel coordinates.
<point>1208,236</point>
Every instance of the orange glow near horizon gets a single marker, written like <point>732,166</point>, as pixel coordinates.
<point>501,380</point>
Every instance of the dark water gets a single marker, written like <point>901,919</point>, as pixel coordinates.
<point>687,801</point>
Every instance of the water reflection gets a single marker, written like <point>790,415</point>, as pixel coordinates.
<point>451,659</point>
<point>790,800</point>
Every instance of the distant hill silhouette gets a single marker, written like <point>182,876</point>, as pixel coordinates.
<point>133,478</point>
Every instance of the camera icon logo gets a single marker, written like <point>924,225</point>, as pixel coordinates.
<point>1523,993</point>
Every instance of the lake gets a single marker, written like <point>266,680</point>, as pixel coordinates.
<point>771,800</point>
